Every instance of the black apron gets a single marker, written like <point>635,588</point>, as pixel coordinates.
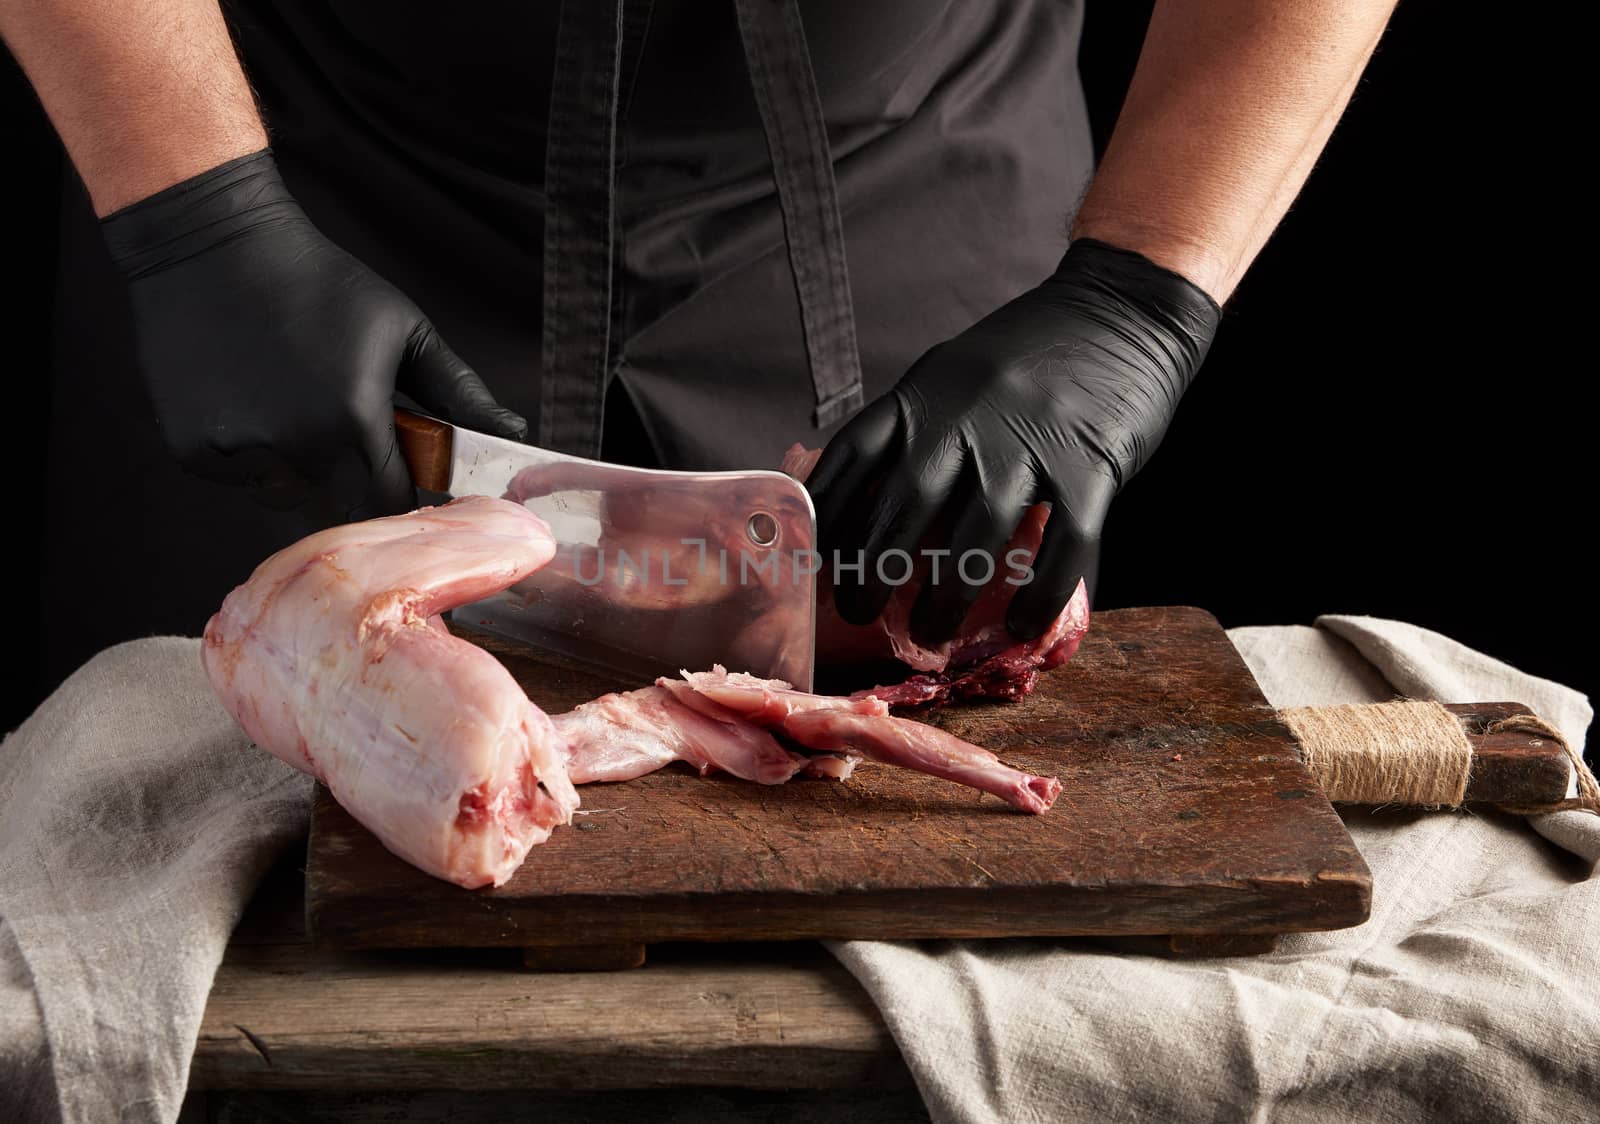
<point>672,233</point>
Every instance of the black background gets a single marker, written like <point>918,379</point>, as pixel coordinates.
<point>1389,422</point>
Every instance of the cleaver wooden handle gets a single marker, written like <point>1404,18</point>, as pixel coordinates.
<point>426,445</point>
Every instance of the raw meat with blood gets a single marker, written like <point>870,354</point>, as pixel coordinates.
<point>1009,673</point>
<point>983,660</point>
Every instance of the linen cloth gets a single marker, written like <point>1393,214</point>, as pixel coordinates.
<point>135,820</point>
<point>1472,993</point>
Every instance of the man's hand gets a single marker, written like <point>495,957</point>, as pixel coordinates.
<point>1059,396</point>
<point>1063,393</point>
<point>272,356</point>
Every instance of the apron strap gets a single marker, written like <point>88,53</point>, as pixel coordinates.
<point>580,225</point>
<point>580,211</point>
<point>791,115</point>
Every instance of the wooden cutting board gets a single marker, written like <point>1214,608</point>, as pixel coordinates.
<point>1185,809</point>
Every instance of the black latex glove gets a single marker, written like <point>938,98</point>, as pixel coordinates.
<point>1059,396</point>
<point>272,356</point>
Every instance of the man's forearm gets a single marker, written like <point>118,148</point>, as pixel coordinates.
<point>144,93</point>
<point>1230,105</point>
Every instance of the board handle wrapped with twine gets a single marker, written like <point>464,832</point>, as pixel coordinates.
<point>1414,752</point>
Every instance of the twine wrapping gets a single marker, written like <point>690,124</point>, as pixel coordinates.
<point>1402,752</point>
<point>1412,752</point>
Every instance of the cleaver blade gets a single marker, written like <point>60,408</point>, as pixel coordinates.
<point>655,570</point>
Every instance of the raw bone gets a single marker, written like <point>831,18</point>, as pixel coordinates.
<point>864,729</point>
<point>714,720</point>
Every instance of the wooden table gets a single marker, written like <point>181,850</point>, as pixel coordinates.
<point>730,1032</point>
<point>774,1030</point>
<point>295,1033</point>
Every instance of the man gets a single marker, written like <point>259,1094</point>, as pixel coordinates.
<point>677,233</point>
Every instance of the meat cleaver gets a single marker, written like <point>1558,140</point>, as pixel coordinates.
<point>655,570</point>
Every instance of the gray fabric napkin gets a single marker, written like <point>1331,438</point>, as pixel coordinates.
<point>1472,993</point>
<point>135,821</point>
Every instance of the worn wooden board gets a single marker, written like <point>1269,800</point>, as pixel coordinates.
<point>283,1014</point>
<point>1185,809</point>
<point>288,1017</point>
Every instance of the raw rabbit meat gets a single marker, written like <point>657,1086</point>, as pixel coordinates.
<point>720,720</point>
<point>982,660</point>
<point>332,656</point>
<point>864,729</point>
<point>618,737</point>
